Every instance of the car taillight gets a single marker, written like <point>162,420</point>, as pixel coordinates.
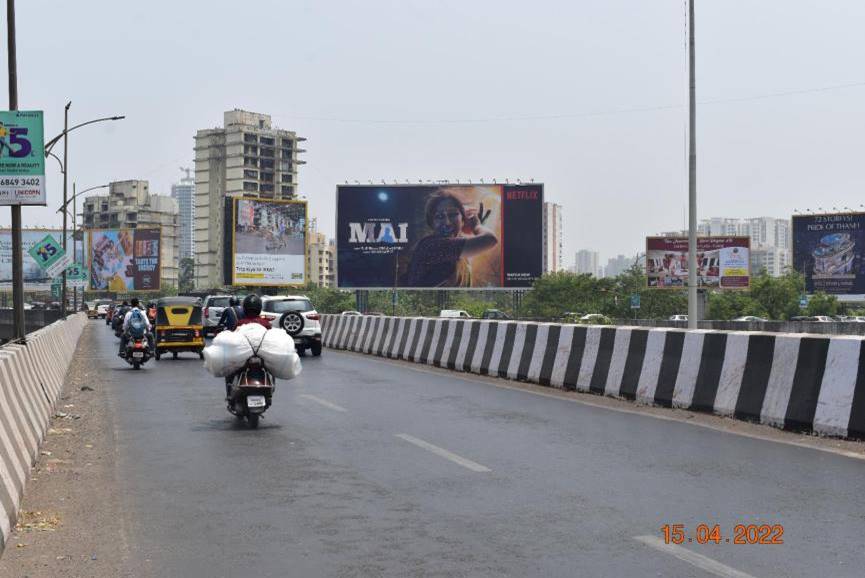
<point>197,333</point>
<point>206,309</point>
<point>313,316</point>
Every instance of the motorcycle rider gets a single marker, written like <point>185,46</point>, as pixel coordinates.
<point>135,311</point>
<point>251,314</point>
<point>230,315</point>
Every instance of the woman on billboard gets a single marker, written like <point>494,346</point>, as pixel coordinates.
<point>442,258</point>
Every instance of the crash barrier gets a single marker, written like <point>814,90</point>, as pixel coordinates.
<point>31,379</point>
<point>791,381</point>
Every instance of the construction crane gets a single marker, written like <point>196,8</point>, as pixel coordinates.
<point>187,170</point>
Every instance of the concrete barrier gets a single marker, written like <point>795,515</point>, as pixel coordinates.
<point>31,380</point>
<point>801,382</point>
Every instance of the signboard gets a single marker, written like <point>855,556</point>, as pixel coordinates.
<point>266,244</point>
<point>76,276</point>
<point>35,277</point>
<point>22,158</point>
<point>439,236</point>
<point>635,301</point>
<point>124,260</point>
<point>828,250</point>
<point>50,256</point>
<point>722,262</point>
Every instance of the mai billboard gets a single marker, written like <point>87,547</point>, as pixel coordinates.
<point>439,236</point>
<point>265,244</point>
<point>828,250</point>
<point>722,262</point>
<point>122,260</point>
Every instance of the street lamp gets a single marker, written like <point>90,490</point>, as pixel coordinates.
<point>65,210</point>
<point>64,166</point>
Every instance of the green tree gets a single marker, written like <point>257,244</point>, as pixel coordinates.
<point>778,296</point>
<point>822,304</point>
<point>724,305</point>
<point>186,277</point>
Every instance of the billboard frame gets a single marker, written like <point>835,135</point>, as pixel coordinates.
<point>89,256</point>
<point>684,287</point>
<point>6,284</point>
<point>234,203</point>
<point>793,245</point>
<point>436,184</point>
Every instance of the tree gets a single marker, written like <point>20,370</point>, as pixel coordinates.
<point>186,277</point>
<point>778,296</point>
<point>822,304</point>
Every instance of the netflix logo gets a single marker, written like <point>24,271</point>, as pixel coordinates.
<point>522,195</point>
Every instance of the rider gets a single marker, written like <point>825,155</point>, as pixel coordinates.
<point>135,311</point>
<point>230,314</point>
<point>251,314</point>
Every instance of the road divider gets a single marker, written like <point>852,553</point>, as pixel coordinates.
<point>800,382</point>
<point>31,380</point>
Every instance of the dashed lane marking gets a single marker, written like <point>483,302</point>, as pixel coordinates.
<point>443,453</point>
<point>702,562</point>
<point>323,402</point>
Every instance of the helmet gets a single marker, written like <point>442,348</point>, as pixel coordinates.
<point>233,301</point>
<point>252,305</point>
<point>125,303</point>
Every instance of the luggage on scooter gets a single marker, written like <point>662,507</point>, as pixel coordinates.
<point>227,353</point>
<point>278,353</point>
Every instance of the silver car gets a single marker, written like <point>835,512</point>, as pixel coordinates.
<point>214,305</point>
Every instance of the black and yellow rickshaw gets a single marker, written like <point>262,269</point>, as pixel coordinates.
<point>179,326</point>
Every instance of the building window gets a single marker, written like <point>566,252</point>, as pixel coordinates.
<point>285,166</point>
<point>250,150</point>
<point>266,152</point>
<point>266,141</point>
<point>247,186</point>
<point>287,189</point>
<point>250,161</point>
<point>286,177</point>
<point>250,138</point>
<point>248,174</point>
<point>267,177</point>
<point>286,153</point>
<point>287,142</point>
<point>267,164</point>
<point>266,188</point>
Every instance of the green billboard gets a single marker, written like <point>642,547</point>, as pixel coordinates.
<point>22,158</point>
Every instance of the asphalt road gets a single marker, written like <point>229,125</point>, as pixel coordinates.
<point>370,468</point>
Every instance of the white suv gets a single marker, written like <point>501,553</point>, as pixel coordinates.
<point>305,326</point>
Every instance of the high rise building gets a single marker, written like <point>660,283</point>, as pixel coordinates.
<point>129,205</point>
<point>553,238</point>
<point>321,260</point>
<point>247,157</point>
<point>184,193</point>
<point>618,265</point>
<point>587,262</point>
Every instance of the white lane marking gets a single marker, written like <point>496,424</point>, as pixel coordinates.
<point>702,562</point>
<point>490,380</point>
<point>443,453</point>
<point>324,402</point>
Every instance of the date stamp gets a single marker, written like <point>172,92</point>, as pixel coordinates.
<point>713,534</point>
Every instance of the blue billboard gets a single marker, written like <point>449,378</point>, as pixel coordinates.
<point>828,250</point>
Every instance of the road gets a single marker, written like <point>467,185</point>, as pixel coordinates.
<point>364,467</point>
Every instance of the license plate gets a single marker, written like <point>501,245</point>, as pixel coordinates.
<point>255,401</point>
<point>298,341</point>
<point>137,354</point>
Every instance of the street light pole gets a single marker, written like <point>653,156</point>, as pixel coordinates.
<point>693,309</point>
<point>65,172</point>
<point>18,328</point>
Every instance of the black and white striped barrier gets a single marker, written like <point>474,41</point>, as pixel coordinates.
<point>31,379</point>
<point>792,381</point>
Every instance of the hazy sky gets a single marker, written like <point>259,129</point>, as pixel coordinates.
<point>586,96</point>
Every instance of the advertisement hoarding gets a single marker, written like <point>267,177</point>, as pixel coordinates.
<point>35,277</point>
<point>828,250</point>
<point>722,262</point>
<point>439,236</point>
<point>22,158</point>
<point>266,244</point>
<point>121,260</point>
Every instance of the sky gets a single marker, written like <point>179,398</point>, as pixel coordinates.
<point>587,97</point>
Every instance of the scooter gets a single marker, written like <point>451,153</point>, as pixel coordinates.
<point>137,352</point>
<point>251,391</point>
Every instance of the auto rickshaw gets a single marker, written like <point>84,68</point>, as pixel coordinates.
<point>178,326</point>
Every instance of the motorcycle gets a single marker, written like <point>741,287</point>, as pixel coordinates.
<point>137,352</point>
<point>251,390</point>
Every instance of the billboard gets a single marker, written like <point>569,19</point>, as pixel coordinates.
<point>22,158</point>
<point>828,250</point>
<point>121,260</point>
<point>35,277</point>
<point>722,262</point>
<point>439,236</point>
<point>267,243</point>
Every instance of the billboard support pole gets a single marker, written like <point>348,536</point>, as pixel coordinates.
<point>18,328</point>
<point>65,201</point>
<point>693,309</point>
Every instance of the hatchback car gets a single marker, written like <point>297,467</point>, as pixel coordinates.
<point>298,317</point>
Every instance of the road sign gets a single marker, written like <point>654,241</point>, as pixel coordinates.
<point>635,301</point>
<point>56,288</point>
<point>76,276</point>
<point>22,158</point>
<point>50,256</point>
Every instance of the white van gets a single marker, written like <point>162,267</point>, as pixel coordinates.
<point>458,313</point>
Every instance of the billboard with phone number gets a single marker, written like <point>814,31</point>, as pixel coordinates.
<point>121,260</point>
<point>22,158</point>
<point>722,262</point>
<point>472,236</point>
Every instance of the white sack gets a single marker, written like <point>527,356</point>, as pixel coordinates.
<point>227,353</point>
<point>280,358</point>
<point>253,332</point>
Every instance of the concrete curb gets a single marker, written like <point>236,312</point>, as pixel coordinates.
<point>800,382</point>
<point>31,380</point>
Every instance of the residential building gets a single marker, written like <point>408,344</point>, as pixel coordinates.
<point>184,192</point>
<point>130,205</point>
<point>246,157</point>
<point>618,265</point>
<point>321,260</point>
<point>587,262</point>
<point>553,238</point>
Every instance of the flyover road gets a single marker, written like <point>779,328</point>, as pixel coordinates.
<point>365,467</point>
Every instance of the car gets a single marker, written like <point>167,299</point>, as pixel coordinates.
<point>856,319</point>
<point>454,314</point>
<point>801,318</point>
<point>495,314</point>
<point>350,313</point>
<point>92,311</point>
<point>213,307</point>
<point>822,319</point>
<point>102,306</point>
<point>304,326</point>
<point>678,317</point>
<point>595,319</point>
<point>750,318</point>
